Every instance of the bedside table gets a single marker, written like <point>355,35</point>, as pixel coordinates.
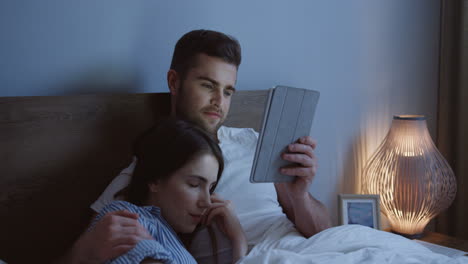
<point>444,240</point>
<point>441,240</point>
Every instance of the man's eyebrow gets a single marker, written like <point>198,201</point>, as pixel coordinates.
<point>229,87</point>
<point>207,79</point>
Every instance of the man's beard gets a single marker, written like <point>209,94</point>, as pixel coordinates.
<point>196,118</point>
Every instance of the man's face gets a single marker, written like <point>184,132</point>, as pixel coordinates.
<point>204,96</point>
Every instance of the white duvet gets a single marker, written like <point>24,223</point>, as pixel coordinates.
<point>342,245</point>
<point>275,238</point>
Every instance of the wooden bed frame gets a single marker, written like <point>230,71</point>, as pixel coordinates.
<point>58,153</point>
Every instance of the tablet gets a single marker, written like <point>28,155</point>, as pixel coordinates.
<point>288,115</point>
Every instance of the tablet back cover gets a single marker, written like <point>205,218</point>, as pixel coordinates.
<point>288,116</point>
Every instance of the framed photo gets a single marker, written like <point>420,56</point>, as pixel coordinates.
<point>361,209</point>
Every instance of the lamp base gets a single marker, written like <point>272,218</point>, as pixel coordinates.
<point>413,236</point>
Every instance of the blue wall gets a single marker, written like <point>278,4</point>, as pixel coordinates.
<point>49,45</point>
<point>370,59</point>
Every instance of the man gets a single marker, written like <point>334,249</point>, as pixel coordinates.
<point>201,81</point>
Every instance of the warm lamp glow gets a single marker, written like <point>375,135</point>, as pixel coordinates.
<point>413,179</point>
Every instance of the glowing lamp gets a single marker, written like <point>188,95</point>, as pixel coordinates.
<point>413,179</point>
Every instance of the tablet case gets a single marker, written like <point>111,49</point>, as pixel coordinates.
<point>288,115</point>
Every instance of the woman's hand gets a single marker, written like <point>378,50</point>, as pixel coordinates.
<point>222,212</point>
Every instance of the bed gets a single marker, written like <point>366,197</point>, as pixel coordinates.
<point>58,153</point>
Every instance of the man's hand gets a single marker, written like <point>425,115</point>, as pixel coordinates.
<point>115,234</point>
<point>307,213</point>
<point>302,153</point>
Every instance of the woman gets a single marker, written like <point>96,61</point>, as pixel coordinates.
<point>171,190</point>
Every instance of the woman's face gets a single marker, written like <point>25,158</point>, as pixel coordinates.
<point>185,196</point>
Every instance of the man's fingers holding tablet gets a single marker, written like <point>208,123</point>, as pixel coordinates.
<point>299,171</point>
<point>302,159</point>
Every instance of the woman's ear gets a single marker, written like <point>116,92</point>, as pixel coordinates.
<point>153,187</point>
<point>173,81</point>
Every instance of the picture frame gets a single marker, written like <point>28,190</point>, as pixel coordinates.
<point>362,209</point>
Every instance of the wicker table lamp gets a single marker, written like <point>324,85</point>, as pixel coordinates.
<point>413,179</point>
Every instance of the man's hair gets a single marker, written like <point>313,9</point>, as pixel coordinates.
<point>164,149</point>
<point>209,42</point>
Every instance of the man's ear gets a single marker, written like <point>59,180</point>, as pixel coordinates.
<point>173,81</point>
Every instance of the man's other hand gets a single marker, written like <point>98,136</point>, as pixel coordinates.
<point>115,234</point>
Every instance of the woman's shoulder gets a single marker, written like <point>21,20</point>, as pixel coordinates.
<point>144,212</point>
<point>147,215</point>
<point>113,207</point>
<point>121,205</point>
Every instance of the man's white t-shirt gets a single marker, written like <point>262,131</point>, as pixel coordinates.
<point>256,204</point>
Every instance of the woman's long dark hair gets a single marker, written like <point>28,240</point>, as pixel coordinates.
<point>164,149</point>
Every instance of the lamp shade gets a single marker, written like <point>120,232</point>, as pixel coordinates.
<point>413,179</point>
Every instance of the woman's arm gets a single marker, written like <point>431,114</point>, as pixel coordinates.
<point>222,212</point>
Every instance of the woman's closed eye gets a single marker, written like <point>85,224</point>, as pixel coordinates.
<point>195,181</point>
<point>193,184</point>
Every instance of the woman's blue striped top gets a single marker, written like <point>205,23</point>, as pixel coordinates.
<point>166,246</point>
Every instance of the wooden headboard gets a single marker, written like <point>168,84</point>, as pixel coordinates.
<point>58,153</point>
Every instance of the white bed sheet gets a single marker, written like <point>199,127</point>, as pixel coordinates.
<point>347,244</point>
